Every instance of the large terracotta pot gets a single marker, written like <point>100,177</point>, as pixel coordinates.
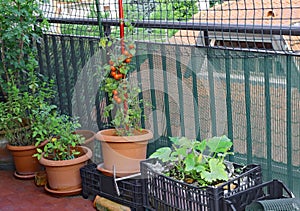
<point>64,175</point>
<point>123,153</point>
<point>25,164</point>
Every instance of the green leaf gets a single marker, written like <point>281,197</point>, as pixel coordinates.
<point>219,144</point>
<point>180,152</point>
<point>201,146</point>
<point>217,171</point>
<point>162,154</point>
<point>103,42</point>
<point>183,141</point>
<point>189,162</point>
<point>174,139</point>
<point>199,168</point>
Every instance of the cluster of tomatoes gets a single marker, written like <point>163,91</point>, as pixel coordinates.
<point>117,72</point>
<point>116,97</point>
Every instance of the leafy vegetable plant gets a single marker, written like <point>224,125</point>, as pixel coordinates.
<point>192,161</point>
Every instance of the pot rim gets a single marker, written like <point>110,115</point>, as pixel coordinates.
<point>109,135</point>
<point>90,133</point>
<point>56,163</point>
<point>28,147</point>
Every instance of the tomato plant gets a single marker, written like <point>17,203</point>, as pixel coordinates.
<point>123,97</point>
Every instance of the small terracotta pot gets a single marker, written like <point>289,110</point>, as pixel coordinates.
<point>25,164</point>
<point>64,175</point>
<point>123,152</point>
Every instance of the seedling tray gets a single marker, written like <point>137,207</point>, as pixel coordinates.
<point>165,193</point>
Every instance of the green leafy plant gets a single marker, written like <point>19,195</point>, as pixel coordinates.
<point>59,131</point>
<point>17,112</point>
<point>22,88</point>
<point>193,161</point>
<point>123,96</point>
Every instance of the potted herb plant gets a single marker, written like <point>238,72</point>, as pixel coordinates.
<point>17,117</point>
<point>125,145</point>
<point>194,175</point>
<point>62,156</point>
<point>21,88</point>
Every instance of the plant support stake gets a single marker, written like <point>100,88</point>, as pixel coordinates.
<point>121,16</point>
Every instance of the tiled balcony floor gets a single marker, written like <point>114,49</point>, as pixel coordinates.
<point>24,195</point>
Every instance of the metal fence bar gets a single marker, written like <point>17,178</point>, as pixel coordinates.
<point>268,116</point>
<point>228,100</point>
<point>289,142</point>
<point>139,78</point>
<point>248,109</point>
<point>57,72</point>
<point>205,27</point>
<point>212,99</point>
<point>195,96</point>
<point>66,71</point>
<point>47,52</point>
<point>166,91</point>
<point>208,26</point>
<point>74,65</point>
<point>152,92</point>
<point>180,90</point>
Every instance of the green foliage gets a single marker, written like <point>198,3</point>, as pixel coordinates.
<point>19,30</point>
<point>199,161</point>
<point>18,110</point>
<point>175,10</point>
<point>59,130</point>
<point>127,116</point>
<point>23,89</point>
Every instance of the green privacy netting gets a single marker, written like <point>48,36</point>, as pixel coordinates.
<point>195,92</point>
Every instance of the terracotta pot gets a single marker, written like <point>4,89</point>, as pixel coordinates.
<point>64,175</point>
<point>25,164</point>
<point>123,152</point>
<point>89,142</point>
<point>89,137</point>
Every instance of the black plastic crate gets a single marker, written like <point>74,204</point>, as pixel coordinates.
<point>274,189</point>
<point>164,193</point>
<point>95,183</point>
